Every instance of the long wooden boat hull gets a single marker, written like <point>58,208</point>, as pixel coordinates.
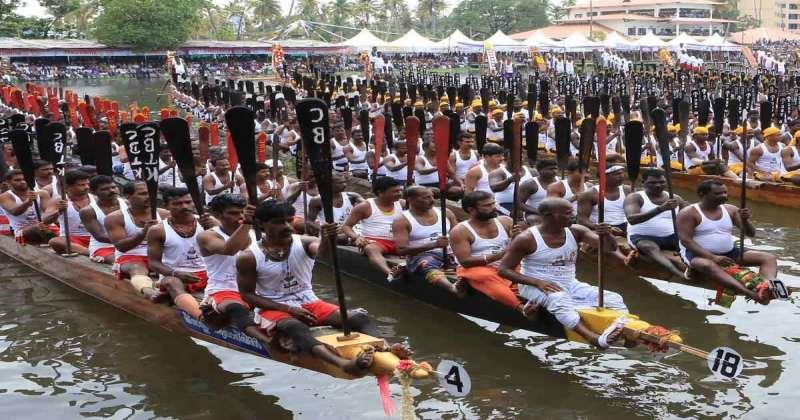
<point>96,280</point>
<point>779,194</point>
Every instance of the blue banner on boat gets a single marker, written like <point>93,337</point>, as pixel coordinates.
<point>228,335</point>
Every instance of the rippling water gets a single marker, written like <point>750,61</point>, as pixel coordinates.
<point>66,355</point>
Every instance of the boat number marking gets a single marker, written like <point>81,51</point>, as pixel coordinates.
<point>725,362</point>
<point>779,289</point>
<point>454,378</point>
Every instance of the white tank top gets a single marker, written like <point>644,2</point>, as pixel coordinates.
<point>795,156</point>
<point>53,183</point>
<point>340,214</point>
<point>222,268</point>
<point>424,234</point>
<point>613,211</point>
<point>337,155</point>
<point>359,156</point>
<point>536,198</point>
<point>483,182</point>
<point>702,154</point>
<point>732,158</point>
<point>400,174</point>
<point>430,178</point>
<point>379,224</point>
<point>658,226</point>
<point>132,230</point>
<point>463,165</point>
<point>94,244</point>
<point>299,206</point>
<point>218,184</point>
<point>713,235</point>
<point>770,161</point>
<point>76,227</point>
<point>287,282</point>
<point>556,265</point>
<point>487,246</point>
<point>182,254</point>
<point>27,218</point>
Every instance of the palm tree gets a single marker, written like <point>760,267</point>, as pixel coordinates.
<point>428,12</point>
<point>398,17</point>
<point>265,11</point>
<point>82,16</point>
<point>309,10</point>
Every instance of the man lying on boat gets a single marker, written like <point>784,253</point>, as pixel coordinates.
<point>18,205</point>
<point>479,243</point>
<point>274,277</point>
<point>705,232</point>
<point>650,229</point>
<point>548,253</point>
<point>375,216</point>
<point>418,236</point>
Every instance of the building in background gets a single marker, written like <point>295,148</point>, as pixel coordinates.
<point>766,12</point>
<point>786,14</point>
<point>666,19</point>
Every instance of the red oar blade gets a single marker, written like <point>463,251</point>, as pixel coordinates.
<point>441,135</point>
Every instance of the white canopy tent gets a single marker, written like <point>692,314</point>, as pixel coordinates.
<point>718,43</point>
<point>502,42</point>
<point>451,42</point>
<point>364,40</point>
<point>687,41</point>
<point>412,42</point>
<point>650,42</point>
<point>540,41</point>
<point>615,41</point>
<point>577,42</point>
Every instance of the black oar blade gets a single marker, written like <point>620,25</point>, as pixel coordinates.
<point>101,145</point>
<point>481,123</point>
<point>85,151</point>
<point>634,135</point>
<point>56,133</point>
<point>176,132</point>
<point>532,140</point>
<point>239,121</point>
<point>703,112</point>
<point>733,113</point>
<point>662,135</point>
<point>363,121</point>
<point>508,135</point>
<point>765,114</point>
<point>43,139</point>
<point>563,131</point>
<point>22,150</point>
<point>586,143</point>
<point>143,157</point>
<point>719,114</point>
<point>312,117</point>
<point>685,110</point>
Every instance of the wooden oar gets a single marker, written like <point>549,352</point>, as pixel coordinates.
<point>659,118</point>
<point>441,135</point>
<point>142,146</point>
<point>101,146</point>
<point>55,146</point>
<point>312,117</point>
<point>22,150</point>
<point>377,143</point>
<point>481,122</point>
<point>634,135</point>
<point>516,162</point>
<point>684,109</point>
<point>412,138</point>
<point>85,151</point>
<point>563,134</point>
<point>42,139</point>
<point>719,120</point>
<point>601,129</point>
<point>239,120</point>
<point>176,132</point>
<point>587,132</point>
<point>532,140</point>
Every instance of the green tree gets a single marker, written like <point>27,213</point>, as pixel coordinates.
<point>559,11</point>
<point>82,16</point>
<point>396,16</point>
<point>310,10</point>
<point>429,15</point>
<point>529,14</point>
<point>509,16</point>
<point>264,12</point>
<point>146,25</point>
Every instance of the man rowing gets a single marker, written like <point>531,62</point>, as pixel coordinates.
<point>44,175</point>
<point>534,190</point>
<point>650,229</point>
<point>376,217</point>
<point>101,249</point>
<point>572,186</point>
<point>702,157</point>
<point>356,154</point>
<point>127,229</point>
<point>613,206</point>
<point>418,236</point>
<point>426,173</point>
<point>343,203</point>
<point>18,205</point>
<point>479,244</point>
<point>464,157</point>
<point>705,233</point>
<point>735,148</point>
<point>77,197</point>
<point>765,162</point>
<point>274,277</point>
<point>501,182</point>
<point>222,178</point>
<point>173,253</point>
<point>477,177</point>
<point>548,253</point>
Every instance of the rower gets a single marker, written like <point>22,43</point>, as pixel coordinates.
<point>702,159</point>
<point>477,178</point>
<point>101,249</point>
<point>167,169</point>
<point>478,245</point>
<point>464,157</point>
<point>77,197</point>
<point>127,229</point>
<point>219,246</point>
<point>534,191</point>
<point>266,188</point>
<point>396,162</point>
<point>222,178</point>
<point>343,203</point>
<point>791,158</point>
<point>418,236</point>
<point>274,277</point>
<point>44,175</point>
<point>426,173</point>
<point>734,148</point>
<point>338,145</point>
<point>571,187</point>
<point>296,198</point>
<point>650,228</point>
<point>172,251</point>
<point>765,162</point>
<point>17,203</point>
<point>614,205</point>
<point>356,154</point>
<point>548,253</point>
<point>494,127</point>
<point>707,247</point>
<point>376,216</point>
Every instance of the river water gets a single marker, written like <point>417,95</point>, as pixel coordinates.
<point>66,355</point>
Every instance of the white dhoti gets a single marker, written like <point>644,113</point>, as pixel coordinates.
<point>576,295</point>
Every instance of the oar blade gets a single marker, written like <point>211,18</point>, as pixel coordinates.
<point>43,143</point>
<point>532,140</point>
<point>634,135</point>
<point>563,132</point>
<point>176,132</point>
<point>441,136</point>
<point>101,145</point>
<point>312,117</point>
<point>203,141</point>
<point>239,120</point>
<point>587,132</point>
<point>85,151</point>
<point>659,117</point>
<point>481,123</point>
<point>56,133</point>
<point>765,114</point>
<point>22,150</point>
<point>719,115</point>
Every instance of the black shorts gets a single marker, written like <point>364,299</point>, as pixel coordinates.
<point>665,243</point>
<point>732,254</point>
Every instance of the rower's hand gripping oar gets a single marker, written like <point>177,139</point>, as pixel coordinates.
<point>312,117</point>
<point>441,135</point>
<point>176,132</point>
<point>56,141</point>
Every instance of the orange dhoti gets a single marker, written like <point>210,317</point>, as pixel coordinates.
<point>486,280</point>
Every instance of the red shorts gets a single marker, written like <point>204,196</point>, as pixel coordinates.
<point>5,227</point>
<point>218,298</point>
<point>80,240</point>
<point>103,252</point>
<point>54,229</point>
<point>387,246</point>
<point>194,287</point>
<point>129,259</point>
<point>321,310</point>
